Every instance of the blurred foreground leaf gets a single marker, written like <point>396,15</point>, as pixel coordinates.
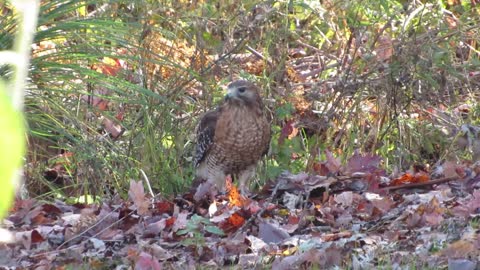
<point>12,149</point>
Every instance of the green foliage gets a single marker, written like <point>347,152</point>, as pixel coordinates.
<point>196,228</point>
<point>167,50</point>
<point>13,74</point>
<point>61,121</point>
<point>13,142</point>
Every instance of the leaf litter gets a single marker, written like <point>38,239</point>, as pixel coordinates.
<point>349,217</point>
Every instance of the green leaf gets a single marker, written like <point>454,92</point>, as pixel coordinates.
<point>214,230</point>
<point>12,143</point>
<point>182,232</point>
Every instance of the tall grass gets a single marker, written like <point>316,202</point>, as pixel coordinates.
<point>349,75</point>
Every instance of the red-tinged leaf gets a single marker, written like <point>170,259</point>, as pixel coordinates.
<point>288,131</point>
<point>102,105</point>
<point>407,178</point>
<point>362,206</point>
<point>234,197</point>
<point>120,115</point>
<point>36,237</point>
<point>271,207</point>
<point>51,209</point>
<point>461,171</point>
<point>137,195</point>
<point>146,261</point>
<point>236,220</point>
<point>96,99</point>
<point>128,220</point>
<point>363,163</point>
<point>115,130</point>
<point>132,253</point>
<point>293,219</point>
<point>333,164</point>
<point>163,207</point>
<point>62,159</point>
<point>21,211</point>
<point>421,177</point>
<point>232,222</point>
<point>373,181</point>
<point>402,180</point>
<point>109,66</point>
<point>170,221</point>
<point>320,168</point>
<point>448,169</point>
<point>40,218</point>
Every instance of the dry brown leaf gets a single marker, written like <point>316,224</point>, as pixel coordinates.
<point>137,195</point>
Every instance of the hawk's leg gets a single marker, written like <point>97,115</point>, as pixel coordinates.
<point>243,178</point>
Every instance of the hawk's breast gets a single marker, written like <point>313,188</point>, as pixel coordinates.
<point>242,137</point>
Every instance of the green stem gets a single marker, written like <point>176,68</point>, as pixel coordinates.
<point>27,16</point>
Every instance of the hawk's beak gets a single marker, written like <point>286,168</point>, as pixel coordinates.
<point>231,93</point>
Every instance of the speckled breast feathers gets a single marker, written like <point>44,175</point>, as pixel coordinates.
<point>234,137</point>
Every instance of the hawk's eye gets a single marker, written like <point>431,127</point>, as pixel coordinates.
<point>242,89</point>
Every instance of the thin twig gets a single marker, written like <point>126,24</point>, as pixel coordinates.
<point>96,223</point>
<point>148,183</point>
<point>258,54</point>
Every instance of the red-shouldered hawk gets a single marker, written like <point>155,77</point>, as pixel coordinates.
<point>232,138</point>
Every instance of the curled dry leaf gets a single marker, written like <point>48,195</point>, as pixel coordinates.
<point>137,195</point>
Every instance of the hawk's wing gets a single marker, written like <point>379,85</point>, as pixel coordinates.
<point>205,134</point>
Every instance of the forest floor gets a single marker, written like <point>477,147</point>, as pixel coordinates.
<point>356,218</point>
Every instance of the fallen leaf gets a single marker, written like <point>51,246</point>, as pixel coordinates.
<point>333,164</point>
<point>181,221</point>
<point>137,195</point>
<point>146,261</point>
<point>289,130</point>
<point>363,163</point>
<point>271,233</point>
<point>234,197</point>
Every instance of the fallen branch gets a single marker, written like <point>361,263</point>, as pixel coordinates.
<point>424,184</point>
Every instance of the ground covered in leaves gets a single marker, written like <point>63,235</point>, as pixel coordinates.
<point>349,217</point>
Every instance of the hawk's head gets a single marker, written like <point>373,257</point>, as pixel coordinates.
<point>243,92</point>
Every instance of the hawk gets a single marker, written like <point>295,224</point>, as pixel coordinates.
<point>232,138</point>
